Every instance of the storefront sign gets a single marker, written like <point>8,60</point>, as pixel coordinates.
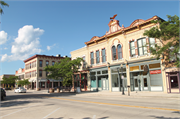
<point>155,72</point>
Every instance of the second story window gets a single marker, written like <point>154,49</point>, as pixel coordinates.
<point>40,73</point>
<point>92,58</point>
<point>47,63</point>
<point>53,63</point>
<point>142,49</point>
<point>40,63</point>
<point>132,48</point>
<point>152,42</point>
<point>103,55</point>
<point>97,57</point>
<point>119,51</point>
<point>30,65</point>
<point>114,53</point>
<point>84,62</point>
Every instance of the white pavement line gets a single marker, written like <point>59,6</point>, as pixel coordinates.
<point>94,117</point>
<point>18,111</point>
<point>50,113</point>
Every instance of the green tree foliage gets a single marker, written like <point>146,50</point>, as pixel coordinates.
<point>10,80</point>
<point>2,4</point>
<point>64,70</point>
<point>23,82</point>
<point>168,35</point>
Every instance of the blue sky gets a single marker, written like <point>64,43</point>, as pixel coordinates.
<point>59,27</point>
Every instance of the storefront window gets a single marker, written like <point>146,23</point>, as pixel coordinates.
<point>156,80</point>
<point>104,71</point>
<point>115,81</point>
<point>99,83</point>
<point>93,81</point>
<point>98,72</point>
<point>92,73</point>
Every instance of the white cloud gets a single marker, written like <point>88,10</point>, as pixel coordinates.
<point>26,44</point>
<point>49,47</point>
<point>5,48</point>
<point>3,37</point>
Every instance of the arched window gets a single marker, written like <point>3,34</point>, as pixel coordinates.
<point>119,51</point>
<point>114,52</point>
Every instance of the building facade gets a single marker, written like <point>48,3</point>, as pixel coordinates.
<point>34,71</point>
<point>120,59</point>
<point>7,76</point>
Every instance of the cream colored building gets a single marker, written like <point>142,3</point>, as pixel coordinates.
<point>119,59</point>
<point>34,71</point>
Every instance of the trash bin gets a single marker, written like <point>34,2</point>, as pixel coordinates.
<point>78,90</point>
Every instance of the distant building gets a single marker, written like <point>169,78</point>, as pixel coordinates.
<point>5,75</point>
<point>34,71</point>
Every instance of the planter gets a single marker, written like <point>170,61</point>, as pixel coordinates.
<point>58,90</point>
<point>51,90</point>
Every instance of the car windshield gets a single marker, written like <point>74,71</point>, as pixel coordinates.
<point>21,87</point>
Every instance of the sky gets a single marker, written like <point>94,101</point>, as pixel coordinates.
<point>56,27</point>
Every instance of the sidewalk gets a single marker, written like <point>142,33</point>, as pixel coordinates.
<point>138,94</point>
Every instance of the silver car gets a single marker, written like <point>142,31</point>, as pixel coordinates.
<point>20,90</point>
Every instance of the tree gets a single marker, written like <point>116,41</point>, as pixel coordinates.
<point>2,4</point>
<point>64,70</point>
<point>168,35</point>
<point>23,82</point>
<point>10,80</point>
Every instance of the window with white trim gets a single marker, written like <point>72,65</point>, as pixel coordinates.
<point>114,52</point>
<point>104,55</point>
<point>142,48</point>
<point>119,51</point>
<point>132,49</point>
<point>97,57</point>
<point>92,58</point>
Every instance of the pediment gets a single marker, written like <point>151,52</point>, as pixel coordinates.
<point>136,22</point>
<point>94,38</point>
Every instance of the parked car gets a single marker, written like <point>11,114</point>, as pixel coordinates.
<point>20,90</point>
<point>7,88</point>
<point>3,94</point>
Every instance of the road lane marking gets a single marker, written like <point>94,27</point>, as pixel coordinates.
<point>122,105</point>
<point>50,113</point>
<point>18,111</point>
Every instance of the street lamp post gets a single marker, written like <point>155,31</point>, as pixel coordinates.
<point>122,77</point>
<point>118,79</point>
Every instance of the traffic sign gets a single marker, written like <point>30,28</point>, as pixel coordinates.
<point>48,81</point>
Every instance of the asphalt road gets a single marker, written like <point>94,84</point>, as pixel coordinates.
<point>40,105</point>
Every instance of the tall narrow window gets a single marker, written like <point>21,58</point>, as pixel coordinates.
<point>142,49</point>
<point>114,52</point>
<point>40,63</point>
<point>92,57</point>
<point>119,51</point>
<point>132,48</point>
<point>30,65</point>
<point>84,62</point>
<point>40,73</point>
<point>53,63</point>
<point>97,57</point>
<point>47,63</point>
<point>103,55</point>
<point>151,43</point>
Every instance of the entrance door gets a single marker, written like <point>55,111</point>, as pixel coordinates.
<point>174,82</point>
<point>104,84</point>
<point>137,84</point>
